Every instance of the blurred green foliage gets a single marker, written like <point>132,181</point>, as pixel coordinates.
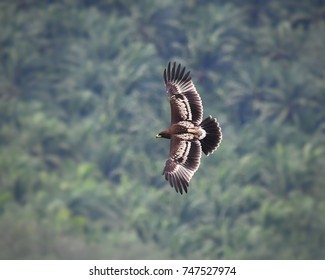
<point>82,98</point>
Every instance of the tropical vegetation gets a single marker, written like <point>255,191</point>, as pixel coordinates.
<point>82,98</point>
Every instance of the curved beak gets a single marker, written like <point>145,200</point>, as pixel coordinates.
<point>158,136</point>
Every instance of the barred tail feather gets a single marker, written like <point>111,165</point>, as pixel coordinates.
<point>213,136</point>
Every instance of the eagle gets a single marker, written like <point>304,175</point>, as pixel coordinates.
<point>189,134</point>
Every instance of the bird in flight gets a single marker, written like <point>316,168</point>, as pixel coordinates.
<point>189,134</point>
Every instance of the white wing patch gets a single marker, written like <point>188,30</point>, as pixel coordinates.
<point>181,154</point>
<point>184,109</point>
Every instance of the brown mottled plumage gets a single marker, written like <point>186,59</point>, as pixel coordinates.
<point>188,134</point>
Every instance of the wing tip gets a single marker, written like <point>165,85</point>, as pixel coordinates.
<point>178,183</point>
<point>175,73</point>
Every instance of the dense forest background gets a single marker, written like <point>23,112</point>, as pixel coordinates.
<point>82,98</point>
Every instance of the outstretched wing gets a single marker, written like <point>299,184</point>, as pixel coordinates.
<point>185,102</point>
<point>184,160</point>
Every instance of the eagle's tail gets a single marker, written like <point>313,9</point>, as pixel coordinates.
<point>213,136</point>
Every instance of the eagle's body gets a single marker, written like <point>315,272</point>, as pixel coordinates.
<point>184,130</point>
<point>188,134</point>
